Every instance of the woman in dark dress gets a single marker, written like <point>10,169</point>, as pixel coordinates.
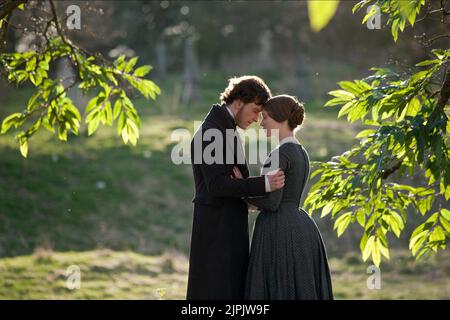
<point>288,259</point>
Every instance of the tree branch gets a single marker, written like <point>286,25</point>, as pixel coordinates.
<point>386,173</point>
<point>445,91</point>
<point>61,34</point>
<point>4,31</point>
<point>432,40</point>
<point>8,6</point>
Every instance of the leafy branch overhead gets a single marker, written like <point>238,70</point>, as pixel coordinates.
<point>407,138</point>
<point>50,106</point>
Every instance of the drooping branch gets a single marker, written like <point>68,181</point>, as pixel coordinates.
<point>8,6</point>
<point>4,31</point>
<point>386,173</point>
<point>431,41</point>
<point>444,95</point>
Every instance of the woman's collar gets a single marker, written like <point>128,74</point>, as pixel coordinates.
<point>288,139</point>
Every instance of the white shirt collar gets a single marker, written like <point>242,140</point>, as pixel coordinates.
<point>290,139</point>
<point>231,112</point>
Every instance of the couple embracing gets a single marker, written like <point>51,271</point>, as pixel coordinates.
<point>286,258</point>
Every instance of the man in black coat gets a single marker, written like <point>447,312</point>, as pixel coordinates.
<point>220,241</point>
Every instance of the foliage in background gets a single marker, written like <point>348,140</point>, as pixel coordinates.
<point>50,107</point>
<point>408,134</point>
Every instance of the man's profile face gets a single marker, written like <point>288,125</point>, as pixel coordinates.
<point>248,114</point>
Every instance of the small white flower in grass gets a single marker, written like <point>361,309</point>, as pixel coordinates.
<point>323,152</point>
<point>55,157</point>
<point>161,292</point>
<point>147,154</point>
<point>101,185</point>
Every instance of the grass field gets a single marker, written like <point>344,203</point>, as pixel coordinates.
<point>123,214</point>
<point>107,274</point>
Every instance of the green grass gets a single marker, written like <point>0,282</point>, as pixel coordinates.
<point>106,274</point>
<point>402,277</point>
<point>124,214</point>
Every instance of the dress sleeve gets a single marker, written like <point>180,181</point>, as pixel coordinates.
<point>271,201</point>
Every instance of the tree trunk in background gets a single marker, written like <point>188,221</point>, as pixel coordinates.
<point>66,73</point>
<point>265,50</point>
<point>191,73</point>
<point>302,75</point>
<point>161,60</point>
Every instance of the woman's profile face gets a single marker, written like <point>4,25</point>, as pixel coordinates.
<point>268,123</point>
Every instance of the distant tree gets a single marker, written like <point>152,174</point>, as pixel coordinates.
<point>407,138</point>
<point>50,106</point>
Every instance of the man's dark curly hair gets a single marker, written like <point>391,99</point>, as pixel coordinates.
<point>249,89</point>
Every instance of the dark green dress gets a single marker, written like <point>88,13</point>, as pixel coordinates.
<point>288,259</point>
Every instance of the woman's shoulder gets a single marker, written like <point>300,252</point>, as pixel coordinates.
<point>293,151</point>
<point>287,148</point>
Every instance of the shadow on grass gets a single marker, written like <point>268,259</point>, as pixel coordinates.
<point>113,197</point>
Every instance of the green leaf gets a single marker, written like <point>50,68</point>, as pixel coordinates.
<point>427,63</point>
<point>346,108</point>
<point>368,247</point>
<point>9,121</point>
<point>31,64</point>
<point>446,214</point>
<point>394,29</point>
<point>93,124</point>
<point>437,234</point>
<point>384,251</point>
<point>117,108</point>
<point>365,133</point>
<point>108,113</point>
<point>419,236</point>
<point>125,136</point>
<point>121,123</point>
<point>342,222</point>
<point>413,107</point>
<point>44,65</point>
<point>33,99</point>
<point>24,147</point>
<point>361,217</point>
<point>376,257</point>
<point>133,127</point>
<point>120,62</point>
<point>142,71</point>
<point>407,10</point>
<point>342,94</point>
<point>131,64</point>
<point>92,104</point>
<point>445,223</point>
<point>321,12</point>
<point>425,204</point>
<point>441,54</point>
<point>62,132</point>
<point>363,242</point>
<point>327,209</point>
<point>350,87</point>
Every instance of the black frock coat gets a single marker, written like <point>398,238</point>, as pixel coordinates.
<point>219,249</point>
